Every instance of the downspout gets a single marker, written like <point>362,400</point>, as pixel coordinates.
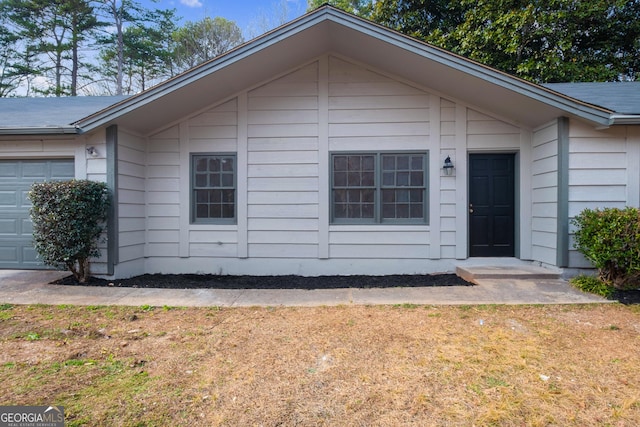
<point>562,232</point>
<point>112,184</point>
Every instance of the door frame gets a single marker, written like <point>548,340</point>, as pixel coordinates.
<point>516,197</point>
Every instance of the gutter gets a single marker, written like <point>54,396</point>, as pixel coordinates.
<point>624,119</point>
<point>57,130</point>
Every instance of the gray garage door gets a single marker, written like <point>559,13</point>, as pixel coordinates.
<point>16,178</point>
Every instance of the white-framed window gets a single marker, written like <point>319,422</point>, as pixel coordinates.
<point>213,188</point>
<point>379,187</point>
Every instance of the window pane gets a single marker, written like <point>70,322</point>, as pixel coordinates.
<point>416,196</point>
<point>215,196</point>
<point>354,163</point>
<point>201,180</point>
<point>201,196</point>
<point>215,211</point>
<point>228,211</point>
<point>417,211</point>
<point>416,179</point>
<point>388,196</point>
<point>368,196</point>
<point>228,196</point>
<point>340,163</point>
<point>388,163</point>
<point>214,180</point>
<point>214,165</point>
<point>388,179</point>
<point>227,164</point>
<point>368,179</point>
<point>402,210</point>
<point>227,180</point>
<point>202,211</point>
<point>368,163</point>
<point>402,163</point>
<point>354,179</point>
<point>340,179</point>
<point>402,178</point>
<point>402,195</point>
<point>388,210</point>
<point>368,210</point>
<point>201,165</point>
<point>416,163</point>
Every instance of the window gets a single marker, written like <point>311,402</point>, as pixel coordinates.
<point>379,188</point>
<point>213,196</point>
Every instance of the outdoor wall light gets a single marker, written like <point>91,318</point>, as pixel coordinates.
<point>448,166</point>
<point>92,151</point>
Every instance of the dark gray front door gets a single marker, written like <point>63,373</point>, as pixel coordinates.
<point>16,178</point>
<point>491,205</point>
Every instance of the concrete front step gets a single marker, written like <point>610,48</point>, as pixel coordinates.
<point>523,272</point>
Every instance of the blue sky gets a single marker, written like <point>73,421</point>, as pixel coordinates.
<point>252,16</point>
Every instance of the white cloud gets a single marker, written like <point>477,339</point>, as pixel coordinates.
<point>191,3</point>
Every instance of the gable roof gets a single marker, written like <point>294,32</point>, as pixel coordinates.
<point>330,30</point>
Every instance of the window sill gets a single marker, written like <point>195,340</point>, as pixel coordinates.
<point>379,227</point>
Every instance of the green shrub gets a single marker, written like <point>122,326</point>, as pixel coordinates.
<point>610,239</point>
<point>592,285</point>
<point>68,220</point>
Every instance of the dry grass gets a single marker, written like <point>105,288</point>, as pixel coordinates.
<point>351,366</point>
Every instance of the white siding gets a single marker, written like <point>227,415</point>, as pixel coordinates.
<point>163,191</point>
<point>283,132</point>
<point>372,112</point>
<point>544,193</point>
<point>131,197</point>
<point>283,179</point>
<point>598,173</point>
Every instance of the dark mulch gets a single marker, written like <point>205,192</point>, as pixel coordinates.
<point>212,281</point>
<point>627,297</point>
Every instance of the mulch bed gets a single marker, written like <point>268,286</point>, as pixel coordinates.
<point>212,281</point>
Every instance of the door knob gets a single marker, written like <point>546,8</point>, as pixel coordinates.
<point>470,207</point>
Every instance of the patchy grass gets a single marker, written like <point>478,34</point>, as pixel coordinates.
<point>592,285</point>
<point>338,366</point>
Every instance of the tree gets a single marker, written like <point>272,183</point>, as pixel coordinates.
<point>52,33</point>
<point>197,42</point>
<point>540,40</point>
<point>139,35</point>
<point>145,55</point>
<point>361,8</point>
<point>68,220</point>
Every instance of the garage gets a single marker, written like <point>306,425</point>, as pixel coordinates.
<point>16,178</point>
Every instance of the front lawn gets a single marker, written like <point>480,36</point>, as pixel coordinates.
<point>333,366</point>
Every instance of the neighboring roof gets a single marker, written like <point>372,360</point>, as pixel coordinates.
<point>621,97</point>
<point>49,115</point>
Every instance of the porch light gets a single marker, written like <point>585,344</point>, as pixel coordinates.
<point>92,151</point>
<point>448,166</point>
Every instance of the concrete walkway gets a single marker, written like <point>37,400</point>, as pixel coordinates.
<point>494,285</point>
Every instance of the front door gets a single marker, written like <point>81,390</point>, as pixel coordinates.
<point>491,205</point>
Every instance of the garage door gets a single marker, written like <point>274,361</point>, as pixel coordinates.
<point>16,178</point>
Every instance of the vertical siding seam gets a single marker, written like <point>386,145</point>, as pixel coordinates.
<point>524,243</point>
<point>242,153</point>
<point>462,226</point>
<point>111,136</point>
<point>562,232</point>
<point>323,157</point>
<point>184,190</point>
<point>633,166</point>
<point>435,211</point>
